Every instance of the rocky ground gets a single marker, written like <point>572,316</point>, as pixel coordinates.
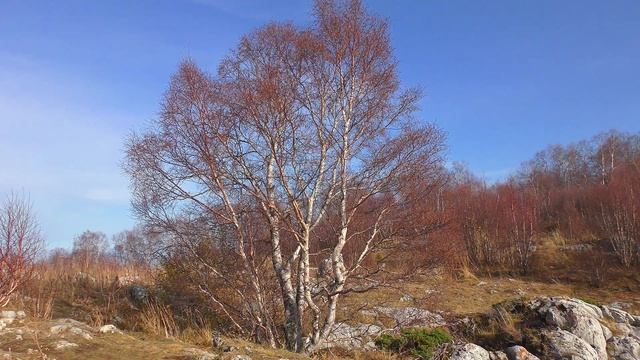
<point>559,328</point>
<point>489,318</point>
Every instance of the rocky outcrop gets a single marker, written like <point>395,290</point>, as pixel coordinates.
<point>569,328</point>
<point>624,348</point>
<point>561,344</point>
<point>576,317</point>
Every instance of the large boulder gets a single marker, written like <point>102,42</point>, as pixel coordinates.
<point>576,317</point>
<point>561,345</point>
<point>553,309</point>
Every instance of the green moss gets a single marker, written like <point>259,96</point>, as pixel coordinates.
<point>417,342</point>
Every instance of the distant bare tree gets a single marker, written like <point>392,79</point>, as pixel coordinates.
<point>304,142</point>
<point>20,245</point>
<point>137,247</point>
<point>89,247</point>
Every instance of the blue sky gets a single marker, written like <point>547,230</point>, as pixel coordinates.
<point>502,78</point>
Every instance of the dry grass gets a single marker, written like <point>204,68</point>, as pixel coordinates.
<point>158,319</point>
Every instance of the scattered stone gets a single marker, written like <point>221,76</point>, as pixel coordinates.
<point>519,353</point>
<point>469,352</point>
<point>126,280</point>
<point>241,357</point>
<point>216,339</point>
<point>18,337</point>
<point>577,247</point>
<point>406,298</point>
<point>109,329</point>
<point>84,277</point>
<point>412,317</point>
<point>431,291</point>
<point>64,344</point>
<point>8,314</point>
<point>229,348</point>
<point>200,354</point>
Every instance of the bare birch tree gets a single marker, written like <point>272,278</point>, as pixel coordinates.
<point>306,129</point>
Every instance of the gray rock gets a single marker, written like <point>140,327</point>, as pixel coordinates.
<point>63,344</point>
<point>412,317</point>
<point>127,280</point>
<point>620,316</point>
<point>216,339</point>
<point>519,353</point>
<point>406,298</point>
<point>109,329</point>
<point>138,294</point>
<point>606,332</point>
<point>72,327</point>
<point>241,357</point>
<point>576,317</point>
<point>8,314</point>
<point>351,337</point>
<point>561,344</point>
<point>469,352</point>
<point>543,305</point>
<point>590,330</point>
<point>498,355</point>
<point>84,277</point>
<point>624,348</point>
<point>620,305</point>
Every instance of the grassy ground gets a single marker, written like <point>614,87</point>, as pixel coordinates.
<point>465,295</point>
<point>34,340</point>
